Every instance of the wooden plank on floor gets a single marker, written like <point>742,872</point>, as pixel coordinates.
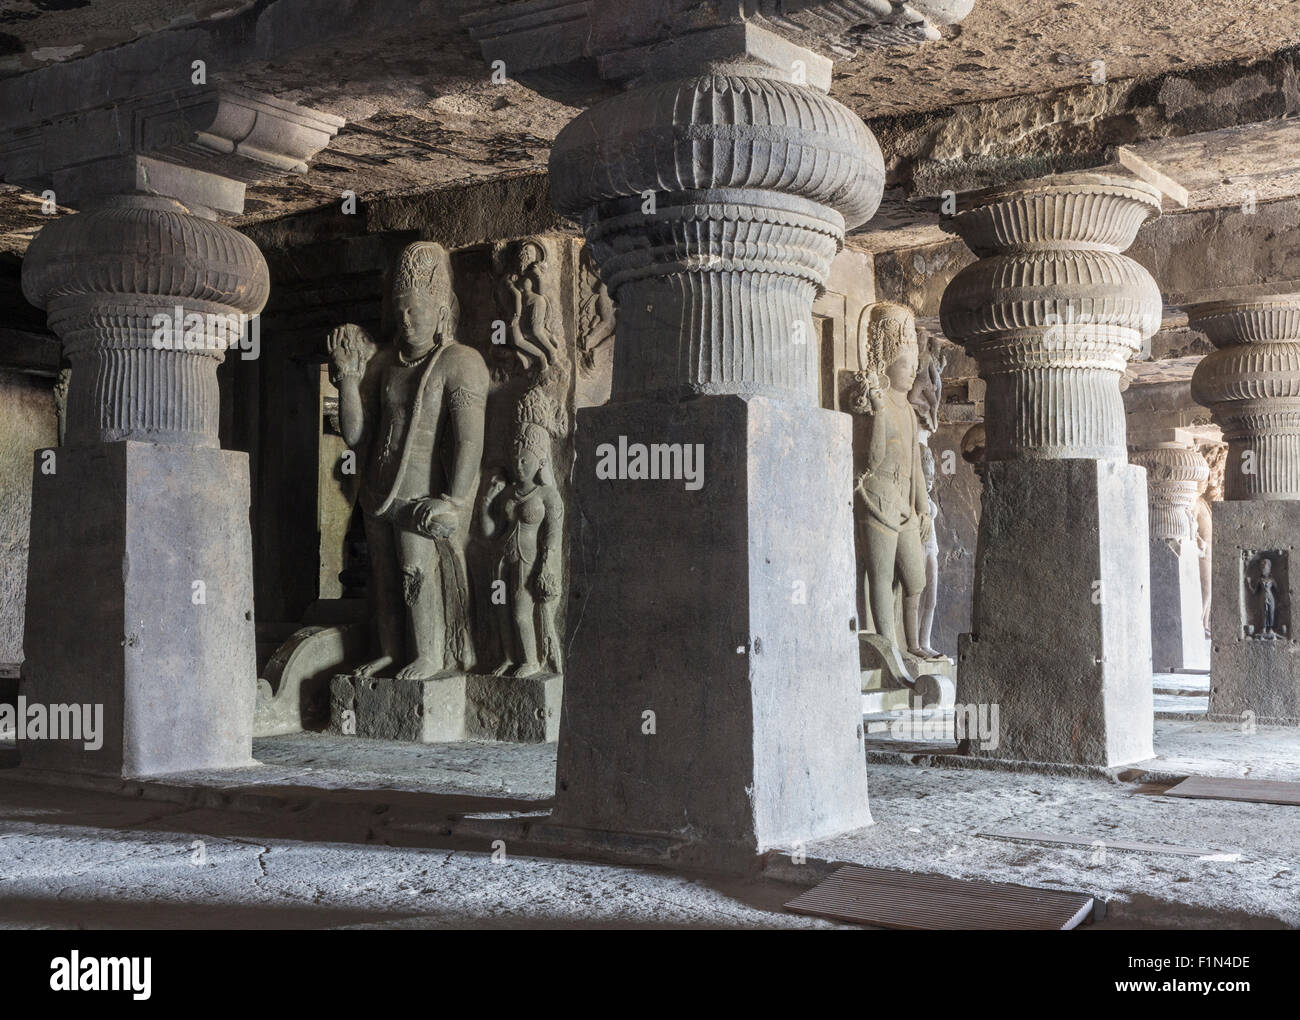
<point>900,899</point>
<point>1255,791</point>
<point>1106,843</point>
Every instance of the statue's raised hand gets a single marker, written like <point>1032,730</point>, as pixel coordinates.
<point>350,348</point>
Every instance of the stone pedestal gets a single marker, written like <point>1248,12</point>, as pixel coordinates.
<point>1251,384</point>
<point>140,601</point>
<point>1066,653</point>
<point>1255,672</point>
<point>468,707</point>
<point>714,682</point>
<point>1175,471</point>
<point>1052,311</point>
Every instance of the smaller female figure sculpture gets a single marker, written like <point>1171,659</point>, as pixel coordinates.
<point>1265,585</point>
<point>525,503</point>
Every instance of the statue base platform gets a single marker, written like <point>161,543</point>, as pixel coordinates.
<point>1254,676</point>
<point>461,707</point>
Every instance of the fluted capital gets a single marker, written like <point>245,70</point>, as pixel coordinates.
<point>719,131</point>
<point>1251,384</point>
<point>1053,311</point>
<point>1067,213</point>
<point>1175,473</point>
<point>148,247</point>
<point>147,299</point>
<point>714,206</point>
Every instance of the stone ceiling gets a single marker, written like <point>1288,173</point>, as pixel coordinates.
<point>422,112</point>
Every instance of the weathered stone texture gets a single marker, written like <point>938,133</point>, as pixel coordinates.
<point>27,423</point>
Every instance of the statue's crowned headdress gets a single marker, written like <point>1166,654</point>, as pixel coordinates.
<point>424,267</point>
<point>538,419</point>
<point>888,328</point>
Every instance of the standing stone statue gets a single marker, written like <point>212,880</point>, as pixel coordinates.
<point>893,509</point>
<point>413,413</point>
<point>1211,491</point>
<point>525,504</point>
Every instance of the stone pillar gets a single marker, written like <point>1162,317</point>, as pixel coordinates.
<point>139,594</point>
<point>1251,385</point>
<point>139,589</point>
<point>1175,471</point>
<point>712,690</point>
<point>1052,311</point>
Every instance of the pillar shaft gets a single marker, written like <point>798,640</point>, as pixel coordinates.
<point>1052,311</point>
<point>1175,471</point>
<point>714,205</point>
<point>1251,384</point>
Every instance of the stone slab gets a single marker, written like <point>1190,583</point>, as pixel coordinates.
<point>713,664</point>
<point>1177,635</point>
<point>462,707</point>
<point>1250,674</point>
<point>140,599</point>
<point>1062,618</point>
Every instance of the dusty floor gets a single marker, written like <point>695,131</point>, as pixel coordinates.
<point>333,832</point>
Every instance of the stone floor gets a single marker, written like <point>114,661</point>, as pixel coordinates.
<point>332,832</point>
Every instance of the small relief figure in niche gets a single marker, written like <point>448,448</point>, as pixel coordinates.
<point>1264,587</point>
<point>596,312</point>
<point>412,410</point>
<point>893,509</point>
<point>529,312</point>
<point>524,503</point>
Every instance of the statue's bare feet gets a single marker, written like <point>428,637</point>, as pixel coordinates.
<point>924,652</point>
<point>373,666</point>
<point>504,668</point>
<point>421,669</point>
<point>526,669</point>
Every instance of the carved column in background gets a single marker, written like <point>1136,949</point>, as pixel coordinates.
<point>1052,311</point>
<point>1251,385</point>
<point>139,595</point>
<point>714,205</point>
<point>1175,471</point>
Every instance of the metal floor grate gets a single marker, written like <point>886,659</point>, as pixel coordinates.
<point>1257,791</point>
<point>900,899</point>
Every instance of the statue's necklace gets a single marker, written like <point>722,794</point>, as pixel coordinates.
<point>410,364</point>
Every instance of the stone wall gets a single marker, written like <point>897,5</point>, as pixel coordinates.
<point>28,422</point>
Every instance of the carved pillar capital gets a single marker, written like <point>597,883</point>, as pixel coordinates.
<point>147,298</point>
<point>714,205</point>
<point>1053,311</point>
<point>1175,472</point>
<point>1251,385</point>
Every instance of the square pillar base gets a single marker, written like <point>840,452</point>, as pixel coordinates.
<point>713,664</point>
<point>1252,672</point>
<point>1177,632</point>
<point>1062,614</point>
<point>140,600</point>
